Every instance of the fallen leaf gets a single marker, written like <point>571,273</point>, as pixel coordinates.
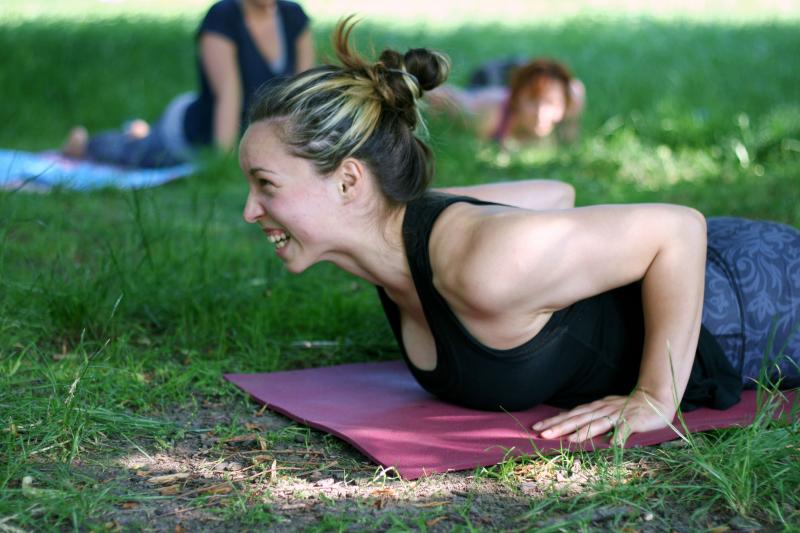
<point>719,529</point>
<point>129,505</point>
<point>242,438</point>
<point>170,490</point>
<point>260,412</point>
<point>142,473</point>
<point>169,478</point>
<point>253,427</point>
<point>258,459</point>
<point>383,493</point>
<point>433,521</point>
<point>112,526</point>
<point>179,529</point>
<point>217,489</point>
<point>429,504</point>
<point>295,506</point>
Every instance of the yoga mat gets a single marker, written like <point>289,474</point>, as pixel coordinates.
<point>40,172</point>
<point>384,413</point>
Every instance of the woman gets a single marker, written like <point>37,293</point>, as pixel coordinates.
<point>242,45</point>
<point>496,307</point>
<point>541,101</point>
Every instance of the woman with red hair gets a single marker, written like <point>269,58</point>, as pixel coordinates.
<point>540,100</point>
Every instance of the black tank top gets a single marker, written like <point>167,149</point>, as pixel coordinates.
<point>586,351</point>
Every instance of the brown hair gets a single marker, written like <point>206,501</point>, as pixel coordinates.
<point>531,75</point>
<point>360,109</point>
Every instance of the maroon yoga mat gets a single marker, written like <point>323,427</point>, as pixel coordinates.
<point>382,411</point>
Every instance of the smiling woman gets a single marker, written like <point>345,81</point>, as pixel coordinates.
<point>287,198</point>
<point>507,297</point>
<point>540,100</point>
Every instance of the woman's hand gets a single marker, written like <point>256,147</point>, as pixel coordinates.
<point>628,414</point>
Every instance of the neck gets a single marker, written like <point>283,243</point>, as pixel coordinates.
<point>258,10</point>
<point>377,253</point>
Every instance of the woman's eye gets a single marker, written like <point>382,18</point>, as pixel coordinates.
<point>263,183</point>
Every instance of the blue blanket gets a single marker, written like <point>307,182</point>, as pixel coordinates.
<point>45,170</point>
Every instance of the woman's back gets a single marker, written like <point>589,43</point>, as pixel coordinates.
<point>583,352</point>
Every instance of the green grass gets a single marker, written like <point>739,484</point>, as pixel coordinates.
<point>115,307</point>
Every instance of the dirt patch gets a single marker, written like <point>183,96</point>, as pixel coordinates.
<point>236,467</point>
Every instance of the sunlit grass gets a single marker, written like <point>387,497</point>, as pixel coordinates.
<point>441,14</point>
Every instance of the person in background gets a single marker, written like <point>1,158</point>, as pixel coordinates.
<point>516,103</point>
<point>243,45</point>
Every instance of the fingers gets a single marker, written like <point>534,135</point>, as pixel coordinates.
<point>594,428</point>
<point>626,414</point>
<point>580,425</point>
<point>566,415</point>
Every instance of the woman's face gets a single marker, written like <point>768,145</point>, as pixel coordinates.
<point>542,106</point>
<point>291,202</point>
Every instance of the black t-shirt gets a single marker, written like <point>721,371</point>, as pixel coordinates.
<point>586,351</point>
<point>226,18</point>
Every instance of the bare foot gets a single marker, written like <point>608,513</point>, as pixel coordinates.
<point>75,145</point>
<point>138,128</point>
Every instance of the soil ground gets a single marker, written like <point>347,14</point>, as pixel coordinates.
<point>284,477</point>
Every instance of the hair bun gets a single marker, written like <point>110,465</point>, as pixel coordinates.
<point>429,67</point>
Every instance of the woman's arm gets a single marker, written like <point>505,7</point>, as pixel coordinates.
<point>527,194</point>
<point>516,263</point>
<point>218,57</point>
<point>577,93</point>
<point>570,127</point>
<point>305,51</point>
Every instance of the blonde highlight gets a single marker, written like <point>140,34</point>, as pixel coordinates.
<point>362,109</point>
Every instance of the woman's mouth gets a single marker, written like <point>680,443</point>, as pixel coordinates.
<point>278,238</point>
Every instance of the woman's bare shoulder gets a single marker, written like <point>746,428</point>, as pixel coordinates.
<point>490,259</point>
<point>468,253</point>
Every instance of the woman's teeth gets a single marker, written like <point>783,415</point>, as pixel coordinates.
<point>279,240</point>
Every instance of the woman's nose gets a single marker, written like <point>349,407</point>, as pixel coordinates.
<point>253,210</point>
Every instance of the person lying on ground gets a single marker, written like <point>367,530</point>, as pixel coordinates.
<point>494,305</point>
<point>542,101</point>
<point>242,45</point>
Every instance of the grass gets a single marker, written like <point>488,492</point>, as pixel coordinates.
<point>119,308</point>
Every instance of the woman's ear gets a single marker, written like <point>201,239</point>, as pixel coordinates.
<point>350,178</point>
